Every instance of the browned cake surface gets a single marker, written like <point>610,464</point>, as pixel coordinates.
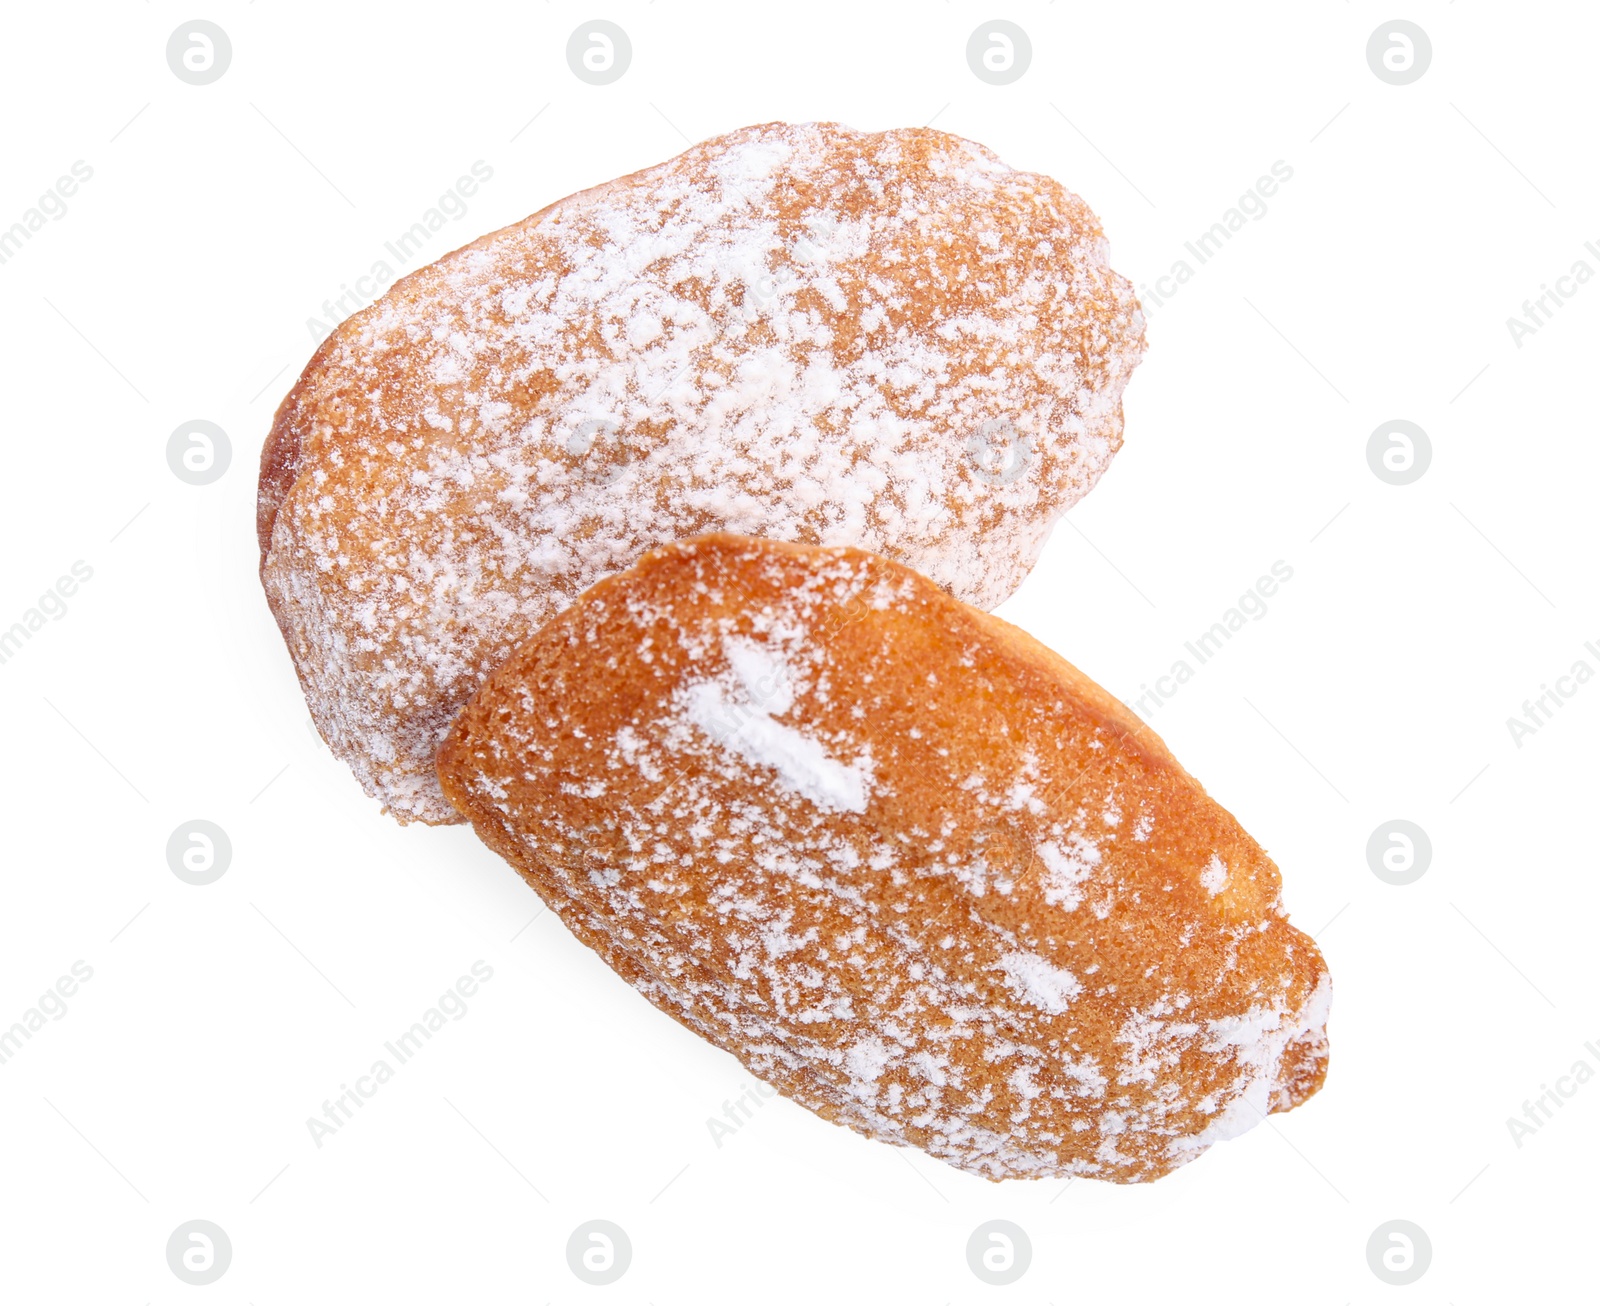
<point>886,339</point>
<point>905,863</point>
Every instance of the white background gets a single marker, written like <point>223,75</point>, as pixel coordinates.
<point>178,285</point>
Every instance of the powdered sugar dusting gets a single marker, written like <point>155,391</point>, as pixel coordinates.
<point>866,1061</point>
<point>745,723</point>
<point>804,332</point>
<point>1069,865</point>
<point>1038,983</point>
<point>1258,1039</point>
<point>676,762</point>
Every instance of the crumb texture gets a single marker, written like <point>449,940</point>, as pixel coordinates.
<point>804,332</point>
<point>908,866</point>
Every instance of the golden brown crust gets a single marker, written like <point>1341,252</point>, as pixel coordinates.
<point>904,862</point>
<point>280,451</point>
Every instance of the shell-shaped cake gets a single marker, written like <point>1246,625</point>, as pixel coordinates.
<point>905,863</point>
<point>883,339</point>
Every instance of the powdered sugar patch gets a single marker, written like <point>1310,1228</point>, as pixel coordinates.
<point>1068,867</point>
<point>741,718</point>
<point>1039,983</point>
